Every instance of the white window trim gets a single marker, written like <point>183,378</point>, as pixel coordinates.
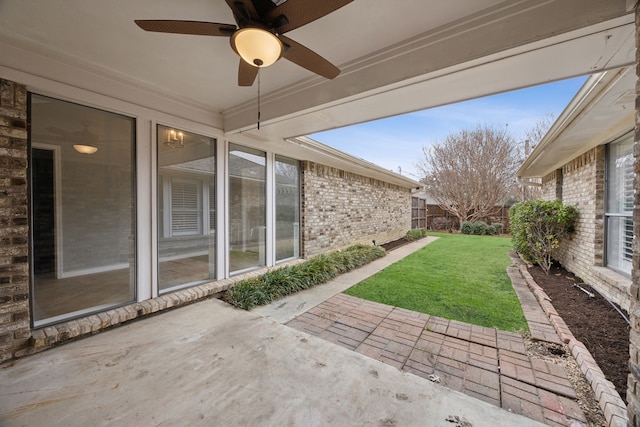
<point>608,215</point>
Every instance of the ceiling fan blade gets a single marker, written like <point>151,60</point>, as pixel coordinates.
<point>246,73</point>
<point>301,12</point>
<point>306,58</point>
<point>186,27</point>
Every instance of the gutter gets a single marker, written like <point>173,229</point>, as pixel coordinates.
<point>374,170</point>
<point>528,182</point>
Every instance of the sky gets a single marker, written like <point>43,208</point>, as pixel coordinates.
<point>396,143</point>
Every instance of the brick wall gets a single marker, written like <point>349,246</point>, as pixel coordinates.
<point>583,187</point>
<point>581,183</point>
<point>14,283</point>
<point>340,208</point>
<point>552,186</point>
<point>633,387</point>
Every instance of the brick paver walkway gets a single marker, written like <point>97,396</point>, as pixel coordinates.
<point>540,327</point>
<point>486,363</point>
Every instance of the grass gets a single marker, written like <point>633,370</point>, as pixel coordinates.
<point>459,277</point>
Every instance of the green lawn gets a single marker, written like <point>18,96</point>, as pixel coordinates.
<point>460,277</point>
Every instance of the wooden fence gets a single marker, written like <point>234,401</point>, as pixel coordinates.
<point>424,215</point>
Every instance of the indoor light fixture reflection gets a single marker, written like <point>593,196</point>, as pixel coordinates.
<point>256,46</point>
<point>85,149</point>
<point>174,139</point>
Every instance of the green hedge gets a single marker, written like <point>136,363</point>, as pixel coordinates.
<point>480,228</point>
<point>415,234</point>
<point>277,283</point>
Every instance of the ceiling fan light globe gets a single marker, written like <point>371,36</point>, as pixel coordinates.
<point>85,149</point>
<point>256,46</point>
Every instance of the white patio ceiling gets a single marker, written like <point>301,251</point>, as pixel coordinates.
<point>396,56</point>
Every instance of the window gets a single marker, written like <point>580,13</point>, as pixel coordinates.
<point>82,210</point>
<point>186,209</point>
<point>619,205</point>
<point>247,208</point>
<point>287,208</point>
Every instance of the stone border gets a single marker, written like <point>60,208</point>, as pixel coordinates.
<point>612,405</point>
<point>49,336</point>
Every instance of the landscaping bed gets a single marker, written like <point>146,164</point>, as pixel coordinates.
<point>394,244</point>
<point>593,321</point>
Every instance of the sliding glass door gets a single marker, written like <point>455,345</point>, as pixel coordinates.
<point>186,208</point>
<point>247,204</point>
<point>82,210</point>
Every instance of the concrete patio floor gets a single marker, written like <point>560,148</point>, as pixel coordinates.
<point>212,365</point>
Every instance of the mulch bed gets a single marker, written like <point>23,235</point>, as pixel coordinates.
<point>593,321</point>
<point>389,246</point>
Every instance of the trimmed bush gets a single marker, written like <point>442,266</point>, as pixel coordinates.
<point>537,228</point>
<point>480,228</point>
<point>277,283</point>
<point>415,234</point>
<point>496,228</point>
<point>467,228</point>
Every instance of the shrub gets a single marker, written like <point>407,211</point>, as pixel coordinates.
<point>277,283</point>
<point>496,228</point>
<point>537,227</point>
<point>415,234</point>
<point>467,228</point>
<point>480,228</point>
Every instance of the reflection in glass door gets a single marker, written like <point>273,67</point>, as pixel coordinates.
<point>287,194</point>
<point>83,210</point>
<point>186,209</point>
<point>247,214</point>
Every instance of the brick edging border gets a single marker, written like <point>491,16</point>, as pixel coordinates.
<point>612,405</point>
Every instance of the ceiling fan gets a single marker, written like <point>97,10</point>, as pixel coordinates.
<point>258,36</point>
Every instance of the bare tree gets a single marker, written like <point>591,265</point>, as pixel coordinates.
<point>533,136</point>
<point>471,172</point>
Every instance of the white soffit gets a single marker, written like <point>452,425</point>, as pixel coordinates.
<point>601,112</point>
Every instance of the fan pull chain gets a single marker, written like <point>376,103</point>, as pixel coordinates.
<point>258,98</point>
